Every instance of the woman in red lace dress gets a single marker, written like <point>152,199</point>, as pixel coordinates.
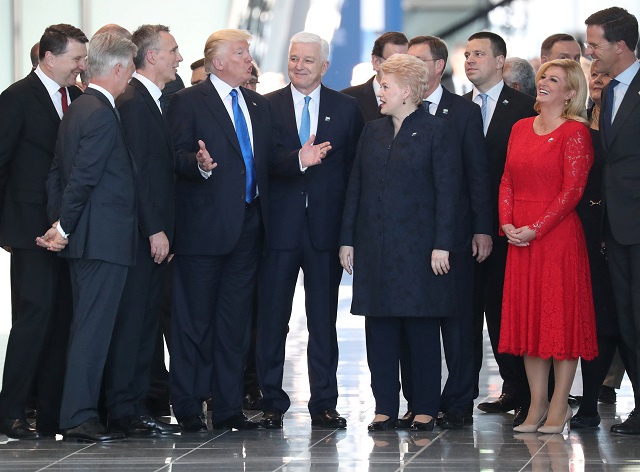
<point>547,306</point>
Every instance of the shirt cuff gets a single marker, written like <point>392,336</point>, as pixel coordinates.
<point>302,169</point>
<point>203,173</point>
<point>61,231</point>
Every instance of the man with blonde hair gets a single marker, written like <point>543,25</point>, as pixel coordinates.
<point>222,141</point>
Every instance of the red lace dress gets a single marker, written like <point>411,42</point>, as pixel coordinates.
<point>547,305</point>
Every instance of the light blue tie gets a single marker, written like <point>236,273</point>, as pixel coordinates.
<point>245,146</point>
<point>305,122</point>
<point>483,110</point>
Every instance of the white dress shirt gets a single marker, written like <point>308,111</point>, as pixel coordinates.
<point>625,78</point>
<point>434,98</point>
<point>53,88</point>
<point>493,94</point>
<point>153,89</point>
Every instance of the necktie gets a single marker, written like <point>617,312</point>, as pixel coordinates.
<point>115,110</point>
<point>607,116</point>
<point>245,146</point>
<point>426,104</point>
<point>483,110</point>
<point>65,104</point>
<point>305,122</point>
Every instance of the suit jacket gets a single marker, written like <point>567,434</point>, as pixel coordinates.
<point>511,107</point>
<point>621,180</point>
<point>29,127</point>
<point>320,191</point>
<point>91,183</point>
<point>210,212</point>
<point>366,99</point>
<point>149,141</point>
<point>475,207</point>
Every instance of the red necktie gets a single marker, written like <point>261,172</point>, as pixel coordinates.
<point>63,91</point>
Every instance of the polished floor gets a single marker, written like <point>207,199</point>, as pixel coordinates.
<point>490,445</point>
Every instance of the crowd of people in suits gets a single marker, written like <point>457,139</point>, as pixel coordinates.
<point>139,195</point>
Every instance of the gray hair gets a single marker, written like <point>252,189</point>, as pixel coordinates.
<point>520,71</point>
<point>106,51</point>
<point>146,37</point>
<point>305,37</point>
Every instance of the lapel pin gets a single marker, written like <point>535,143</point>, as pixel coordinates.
<point>254,104</point>
<point>550,140</point>
<point>505,102</point>
<point>445,111</point>
<point>414,134</point>
<point>327,118</point>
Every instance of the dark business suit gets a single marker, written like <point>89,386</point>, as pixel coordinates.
<point>305,210</point>
<point>91,191</point>
<point>475,217</point>
<point>621,200</point>
<point>134,336</point>
<point>217,247</point>
<point>489,276</point>
<point>36,350</point>
<point>367,100</point>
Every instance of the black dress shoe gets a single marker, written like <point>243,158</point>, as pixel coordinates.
<point>405,421</point>
<point>192,424</point>
<point>629,426</point>
<point>251,399</point>
<point>92,431</point>
<point>160,426</point>
<point>521,415</point>
<point>505,403</point>
<point>384,425</point>
<point>18,428</point>
<point>132,427</point>
<point>272,419</point>
<point>420,426</point>
<point>574,401</point>
<point>607,395</point>
<point>238,421</point>
<point>579,421</point>
<point>328,419</point>
<point>452,420</point>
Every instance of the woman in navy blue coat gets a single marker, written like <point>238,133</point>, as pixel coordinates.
<point>399,221</point>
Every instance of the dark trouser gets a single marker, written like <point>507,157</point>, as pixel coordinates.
<point>385,339</point>
<point>97,289</point>
<point>210,325</point>
<point>159,390</point>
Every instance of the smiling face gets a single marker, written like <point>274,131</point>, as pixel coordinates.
<point>602,52</point>
<point>167,57</point>
<point>483,69</point>
<point>65,68</point>
<point>552,87</point>
<point>306,66</point>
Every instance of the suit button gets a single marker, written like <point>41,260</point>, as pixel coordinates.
<point>379,198</point>
<point>242,172</point>
<point>301,193</point>
<point>384,163</point>
<point>381,180</point>
<point>243,197</point>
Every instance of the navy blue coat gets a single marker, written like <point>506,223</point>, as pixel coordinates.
<point>402,202</point>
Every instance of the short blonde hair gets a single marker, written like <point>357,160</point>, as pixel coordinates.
<point>575,108</point>
<point>214,47</point>
<point>411,71</point>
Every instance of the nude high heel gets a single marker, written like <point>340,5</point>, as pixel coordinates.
<point>531,428</point>
<point>558,429</point>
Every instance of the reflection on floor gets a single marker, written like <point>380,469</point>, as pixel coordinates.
<point>489,445</point>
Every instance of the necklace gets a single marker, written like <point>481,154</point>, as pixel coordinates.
<point>544,124</point>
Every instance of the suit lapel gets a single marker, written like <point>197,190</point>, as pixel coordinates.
<point>44,98</point>
<point>216,107</point>
<point>324,116</point>
<point>445,104</point>
<point>253,108</point>
<point>153,107</point>
<point>629,103</point>
<point>288,112</point>
<point>502,109</point>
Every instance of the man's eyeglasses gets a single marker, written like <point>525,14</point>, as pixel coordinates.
<point>593,47</point>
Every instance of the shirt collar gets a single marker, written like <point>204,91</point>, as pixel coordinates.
<point>221,86</point>
<point>627,75</point>
<point>153,89</point>
<point>435,96</point>
<point>51,85</point>
<point>493,92</point>
<point>104,92</point>
<point>297,96</point>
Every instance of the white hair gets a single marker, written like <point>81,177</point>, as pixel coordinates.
<point>305,37</point>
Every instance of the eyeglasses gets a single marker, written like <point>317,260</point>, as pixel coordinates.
<point>252,82</point>
<point>593,47</point>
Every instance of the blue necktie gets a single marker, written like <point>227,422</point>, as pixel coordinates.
<point>305,122</point>
<point>245,146</point>
<point>607,115</point>
<point>483,110</point>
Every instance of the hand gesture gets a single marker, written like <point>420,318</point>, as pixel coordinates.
<point>205,161</point>
<point>312,154</point>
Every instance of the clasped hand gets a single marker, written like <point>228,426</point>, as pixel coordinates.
<point>518,236</point>
<point>52,240</point>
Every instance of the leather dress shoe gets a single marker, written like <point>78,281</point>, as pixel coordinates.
<point>272,419</point>
<point>238,421</point>
<point>92,431</point>
<point>384,425</point>
<point>420,426</point>
<point>328,419</point>
<point>520,416</point>
<point>18,428</point>
<point>629,426</point>
<point>579,421</point>
<point>251,399</point>
<point>192,424</point>
<point>453,420</point>
<point>160,426</point>
<point>405,421</point>
<point>505,403</point>
<point>574,400</point>
<point>133,427</point>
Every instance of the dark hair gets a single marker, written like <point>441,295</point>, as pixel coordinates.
<point>548,43</point>
<point>33,55</point>
<point>146,37</point>
<point>437,46</point>
<point>198,63</point>
<point>498,46</point>
<point>390,37</point>
<point>56,37</point>
<point>618,25</point>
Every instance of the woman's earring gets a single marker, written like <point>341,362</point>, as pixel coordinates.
<point>403,102</point>
<point>566,102</point>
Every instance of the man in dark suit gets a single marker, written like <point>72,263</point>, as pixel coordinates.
<point>36,352</point>
<point>149,140</point>
<point>92,201</point>
<point>390,43</point>
<point>222,140</point>
<point>612,36</point>
<point>473,236</point>
<point>500,108</point>
<point>305,207</point>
